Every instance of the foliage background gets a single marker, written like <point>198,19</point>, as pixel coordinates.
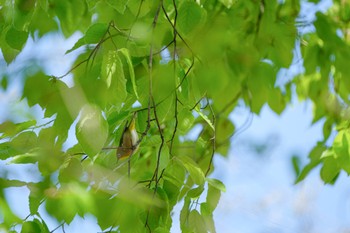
<point>268,37</point>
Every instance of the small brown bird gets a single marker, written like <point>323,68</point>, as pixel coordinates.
<point>129,140</point>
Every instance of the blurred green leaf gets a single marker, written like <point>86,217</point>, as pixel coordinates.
<point>30,227</point>
<point>91,130</point>
<point>190,16</point>
<point>16,39</point>
<point>9,128</point>
<point>330,170</point>
<point>213,197</point>
<point>196,222</point>
<point>118,5</point>
<point>93,35</point>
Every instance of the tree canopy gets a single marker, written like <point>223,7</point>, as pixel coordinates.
<point>180,67</point>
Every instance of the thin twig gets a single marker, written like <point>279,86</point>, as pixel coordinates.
<point>213,139</point>
<point>175,77</point>
<point>151,99</point>
<point>57,227</point>
<point>135,20</point>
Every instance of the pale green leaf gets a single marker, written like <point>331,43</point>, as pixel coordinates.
<point>112,73</point>
<point>205,118</point>
<point>213,197</point>
<point>216,184</point>
<point>196,192</point>
<point>126,54</point>
<point>9,128</point>
<point>30,157</point>
<point>196,222</point>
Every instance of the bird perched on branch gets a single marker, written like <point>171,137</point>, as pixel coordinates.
<point>129,140</point>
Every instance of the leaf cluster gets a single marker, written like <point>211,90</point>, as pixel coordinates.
<point>182,67</point>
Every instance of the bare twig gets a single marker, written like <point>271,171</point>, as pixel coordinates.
<point>175,77</point>
<point>58,227</point>
<point>151,101</point>
<point>213,139</point>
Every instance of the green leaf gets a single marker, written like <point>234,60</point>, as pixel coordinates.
<point>205,118</point>
<point>30,227</point>
<point>195,171</point>
<point>208,217</point>
<point>296,164</point>
<point>119,5</point>
<point>113,74</point>
<point>330,170</point>
<point>186,122</point>
<point>216,184</point>
<point>30,157</point>
<point>43,226</point>
<point>20,147</point>
<point>196,192</point>
<point>196,222</point>
<point>125,53</point>
<point>72,15</point>
<point>342,151</point>
<point>16,39</point>
<point>91,130</point>
<point>228,3</point>
<point>315,159</point>
<point>184,215</point>
<point>190,16</point>
<point>213,197</point>
<point>6,183</point>
<point>42,23</point>
<point>161,230</point>
<point>67,201</point>
<point>4,82</point>
<point>36,194</point>
<point>93,35</point>
<point>71,172</point>
<point>10,129</point>
<point>175,173</point>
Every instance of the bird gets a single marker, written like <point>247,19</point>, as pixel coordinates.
<point>129,140</point>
